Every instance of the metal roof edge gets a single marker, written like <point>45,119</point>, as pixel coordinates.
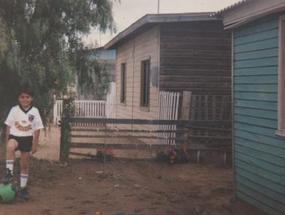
<point>157,19</point>
<point>230,7</point>
<point>253,16</point>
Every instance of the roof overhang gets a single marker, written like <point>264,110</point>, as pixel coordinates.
<point>153,19</point>
<point>249,10</point>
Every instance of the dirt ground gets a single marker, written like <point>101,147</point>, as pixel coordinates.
<point>128,188</point>
<point>123,187</point>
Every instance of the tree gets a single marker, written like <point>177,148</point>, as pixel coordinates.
<point>43,42</point>
<point>94,75</point>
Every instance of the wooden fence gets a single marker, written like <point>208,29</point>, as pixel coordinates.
<point>207,126</point>
<point>210,107</point>
<point>90,109</point>
<point>57,111</point>
<point>72,136</point>
<point>215,113</point>
<point>168,110</point>
<point>83,108</point>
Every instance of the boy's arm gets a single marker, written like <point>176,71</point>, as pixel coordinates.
<point>36,141</point>
<point>38,125</point>
<point>9,123</point>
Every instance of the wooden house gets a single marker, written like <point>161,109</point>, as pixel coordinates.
<point>168,67</point>
<point>169,53</point>
<point>177,66</point>
<point>258,41</point>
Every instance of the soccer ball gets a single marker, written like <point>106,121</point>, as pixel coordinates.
<point>7,193</point>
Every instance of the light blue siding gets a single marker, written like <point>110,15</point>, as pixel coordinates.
<point>259,153</point>
<point>257,54</point>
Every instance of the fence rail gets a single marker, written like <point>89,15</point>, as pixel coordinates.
<point>73,134</point>
<point>83,108</point>
<point>90,109</point>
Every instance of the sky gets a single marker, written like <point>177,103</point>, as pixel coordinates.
<point>126,12</point>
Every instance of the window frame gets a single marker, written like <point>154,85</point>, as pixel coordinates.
<point>281,78</point>
<point>123,83</point>
<point>145,83</point>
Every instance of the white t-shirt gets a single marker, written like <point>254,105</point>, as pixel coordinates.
<point>22,122</point>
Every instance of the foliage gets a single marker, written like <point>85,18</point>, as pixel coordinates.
<point>44,38</point>
<point>94,77</point>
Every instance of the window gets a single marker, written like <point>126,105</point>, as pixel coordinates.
<point>145,82</point>
<point>281,78</point>
<point>123,83</point>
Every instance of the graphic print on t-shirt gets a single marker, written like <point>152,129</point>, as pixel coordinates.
<point>23,125</point>
<point>23,122</point>
<point>31,117</point>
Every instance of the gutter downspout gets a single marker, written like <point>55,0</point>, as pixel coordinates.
<point>233,111</point>
<point>133,81</point>
<point>158,69</point>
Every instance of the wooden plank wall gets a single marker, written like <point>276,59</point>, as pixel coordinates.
<point>141,47</point>
<point>259,152</point>
<point>195,57</point>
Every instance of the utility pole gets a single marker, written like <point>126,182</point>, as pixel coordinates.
<point>158,6</point>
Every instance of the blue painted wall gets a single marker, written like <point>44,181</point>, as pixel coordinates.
<point>259,153</point>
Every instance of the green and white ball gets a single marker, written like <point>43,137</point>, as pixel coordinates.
<point>7,193</point>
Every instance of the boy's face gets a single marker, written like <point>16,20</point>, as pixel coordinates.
<point>25,100</point>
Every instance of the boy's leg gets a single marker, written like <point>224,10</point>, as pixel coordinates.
<point>24,164</point>
<point>12,145</point>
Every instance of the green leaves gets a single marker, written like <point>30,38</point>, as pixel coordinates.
<point>93,77</point>
<point>39,45</point>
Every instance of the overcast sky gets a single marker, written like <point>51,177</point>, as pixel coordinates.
<point>128,11</point>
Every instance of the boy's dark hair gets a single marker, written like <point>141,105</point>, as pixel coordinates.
<point>25,90</point>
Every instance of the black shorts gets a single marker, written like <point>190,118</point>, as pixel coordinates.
<point>24,143</point>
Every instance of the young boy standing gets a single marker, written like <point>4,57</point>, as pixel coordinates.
<point>23,130</point>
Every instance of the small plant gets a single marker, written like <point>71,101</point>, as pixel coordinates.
<point>105,154</point>
<point>173,155</point>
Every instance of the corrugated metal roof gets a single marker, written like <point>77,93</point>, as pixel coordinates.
<point>248,10</point>
<point>233,6</point>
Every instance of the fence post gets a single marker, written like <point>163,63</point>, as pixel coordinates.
<point>186,105</point>
<point>185,115</point>
<point>67,113</point>
<point>64,139</point>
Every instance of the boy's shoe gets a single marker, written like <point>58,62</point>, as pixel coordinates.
<point>23,194</point>
<point>8,177</point>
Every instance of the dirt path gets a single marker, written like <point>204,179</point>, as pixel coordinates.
<point>49,144</point>
<point>133,188</point>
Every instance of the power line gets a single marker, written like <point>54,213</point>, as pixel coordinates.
<point>158,6</point>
